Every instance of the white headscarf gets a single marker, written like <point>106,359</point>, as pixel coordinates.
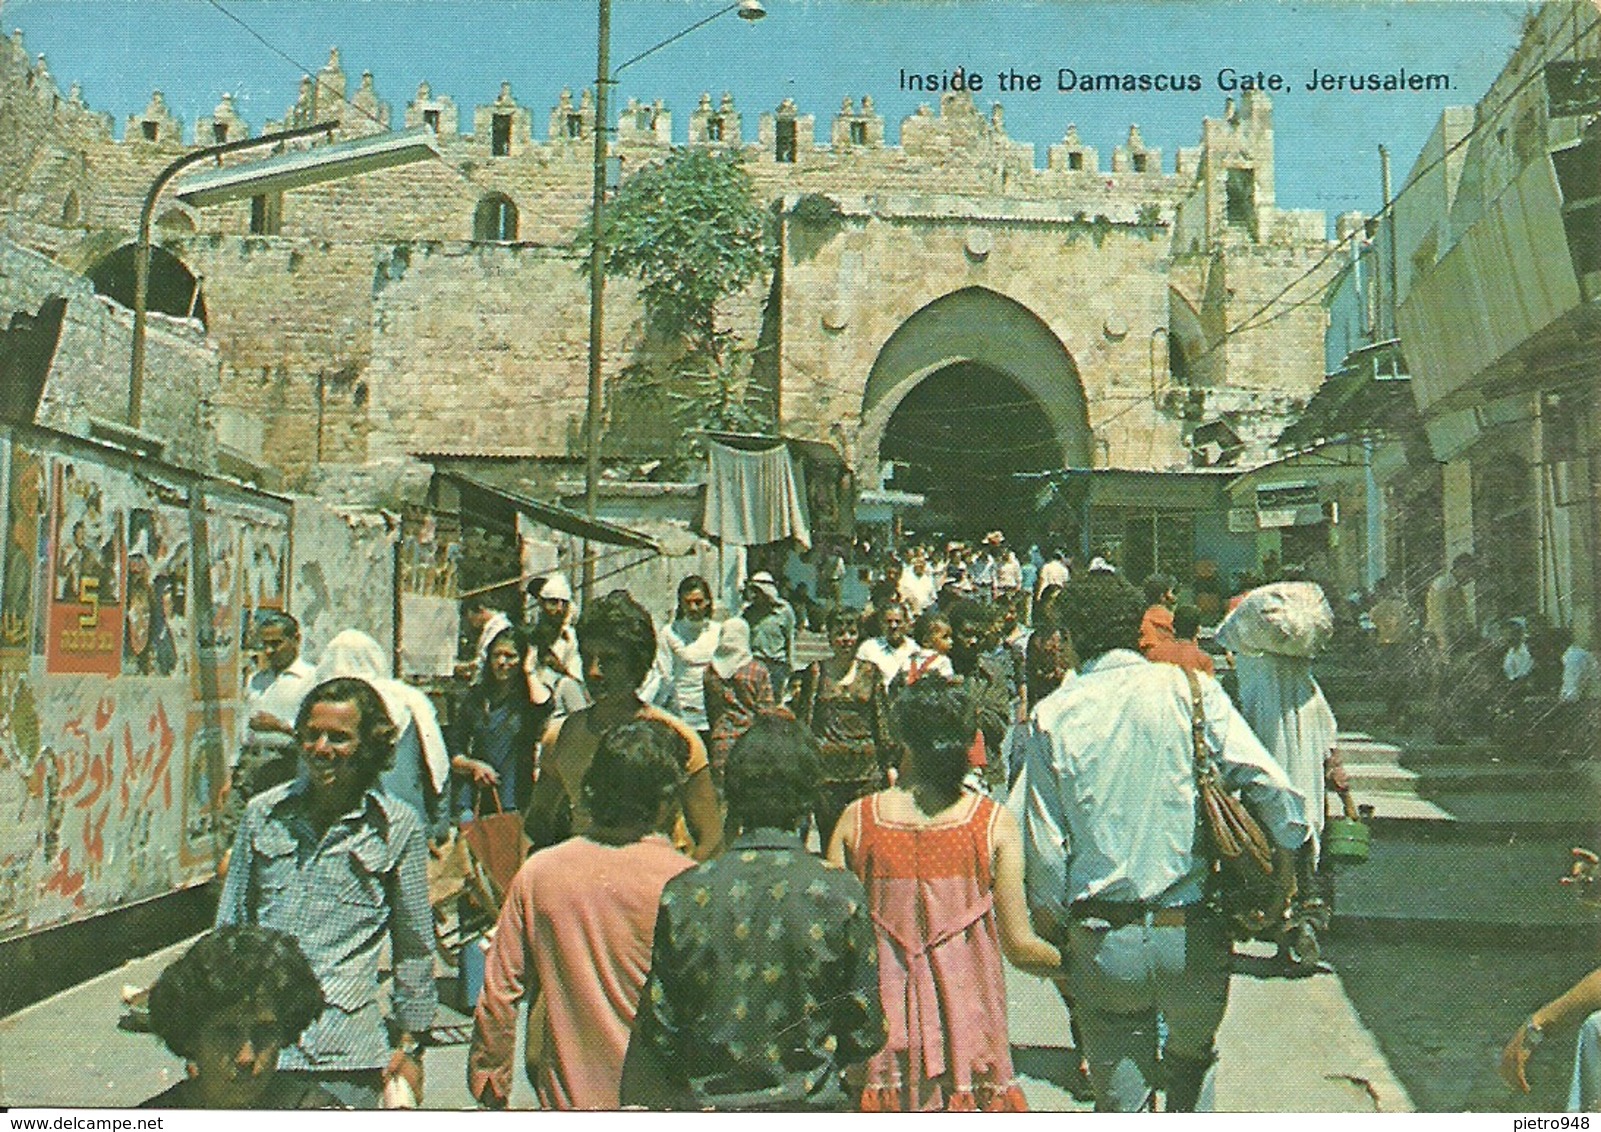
<point>354,654</point>
<point>733,647</point>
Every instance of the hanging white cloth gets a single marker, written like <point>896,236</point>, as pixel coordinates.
<point>754,497</point>
<point>354,653</point>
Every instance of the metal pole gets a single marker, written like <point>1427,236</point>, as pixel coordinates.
<point>597,286</point>
<point>1389,221</point>
<point>141,254</point>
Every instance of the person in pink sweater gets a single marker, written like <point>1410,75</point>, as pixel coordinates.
<point>577,927</point>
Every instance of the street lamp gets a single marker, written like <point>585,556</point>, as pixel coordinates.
<point>275,174</point>
<point>605,77</point>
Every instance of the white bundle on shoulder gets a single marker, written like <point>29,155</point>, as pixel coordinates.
<point>1283,619</point>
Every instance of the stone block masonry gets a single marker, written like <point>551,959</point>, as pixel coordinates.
<point>88,378</point>
<point>440,305</point>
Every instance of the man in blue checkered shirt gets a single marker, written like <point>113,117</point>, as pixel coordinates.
<point>337,864</point>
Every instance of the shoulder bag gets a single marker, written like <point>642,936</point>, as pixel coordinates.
<point>1252,880</point>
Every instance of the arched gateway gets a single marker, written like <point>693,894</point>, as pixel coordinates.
<point>969,390</point>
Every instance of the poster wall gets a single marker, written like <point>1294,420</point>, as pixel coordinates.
<point>119,675</point>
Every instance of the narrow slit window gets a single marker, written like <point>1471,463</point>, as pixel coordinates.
<point>500,136</point>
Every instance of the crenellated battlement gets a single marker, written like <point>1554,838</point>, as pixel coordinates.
<point>957,131</point>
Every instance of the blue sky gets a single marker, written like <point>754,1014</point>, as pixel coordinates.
<point>818,52</point>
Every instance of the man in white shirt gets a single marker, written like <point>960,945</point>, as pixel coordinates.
<point>892,651</point>
<point>917,585</point>
<point>1053,573</point>
<point>1110,832</point>
<point>1008,571</point>
<point>1581,676</point>
<point>683,650</point>
<point>267,753</point>
<point>1573,719</point>
<point>986,562</point>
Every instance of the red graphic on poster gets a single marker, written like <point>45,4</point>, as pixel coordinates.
<point>84,628</point>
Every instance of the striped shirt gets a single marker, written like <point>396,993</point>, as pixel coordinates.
<point>340,895</point>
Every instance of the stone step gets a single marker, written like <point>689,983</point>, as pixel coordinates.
<point>1560,813</point>
<point>1428,781</point>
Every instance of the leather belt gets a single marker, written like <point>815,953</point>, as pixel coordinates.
<point>1120,913</point>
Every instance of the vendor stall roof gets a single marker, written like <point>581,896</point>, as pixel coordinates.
<point>1197,489</point>
<point>499,503</point>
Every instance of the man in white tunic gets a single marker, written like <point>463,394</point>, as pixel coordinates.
<point>1274,633</point>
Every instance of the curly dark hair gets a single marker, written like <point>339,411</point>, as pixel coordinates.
<point>1047,658</point>
<point>227,967</point>
<point>1157,587</point>
<point>938,724</point>
<point>772,774</point>
<point>966,611</point>
<point>638,766</point>
<point>1101,612</point>
<point>926,622</point>
<point>377,733</point>
<point>624,624</point>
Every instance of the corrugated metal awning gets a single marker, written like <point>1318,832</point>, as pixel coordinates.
<point>497,503</point>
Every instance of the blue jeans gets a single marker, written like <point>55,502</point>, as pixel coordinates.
<point>1122,979</point>
<point>1585,1093</point>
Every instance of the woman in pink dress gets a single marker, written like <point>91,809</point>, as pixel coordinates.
<point>943,869</point>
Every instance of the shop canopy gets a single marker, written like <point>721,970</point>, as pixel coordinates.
<point>500,506</point>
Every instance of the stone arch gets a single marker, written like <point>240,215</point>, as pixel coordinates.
<point>979,330</point>
<point>173,288</point>
<point>495,219</point>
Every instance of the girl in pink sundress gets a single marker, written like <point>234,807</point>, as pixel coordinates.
<point>943,869</point>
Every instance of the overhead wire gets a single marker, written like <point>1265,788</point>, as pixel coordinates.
<point>310,72</point>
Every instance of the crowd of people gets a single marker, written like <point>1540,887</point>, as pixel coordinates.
<point>997,753</point>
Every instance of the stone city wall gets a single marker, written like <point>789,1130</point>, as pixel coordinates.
<point>387,313</point>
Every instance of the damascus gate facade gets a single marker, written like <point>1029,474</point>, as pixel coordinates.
<point>1073,309</point>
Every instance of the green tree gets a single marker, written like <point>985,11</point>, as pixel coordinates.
<point>690,230</point>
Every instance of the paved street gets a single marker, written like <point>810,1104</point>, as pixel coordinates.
<point>1443,942</point>
<point>1327,1067</point>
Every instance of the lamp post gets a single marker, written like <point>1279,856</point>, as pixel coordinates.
<point>274,174</point>
<point>605,77</point>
